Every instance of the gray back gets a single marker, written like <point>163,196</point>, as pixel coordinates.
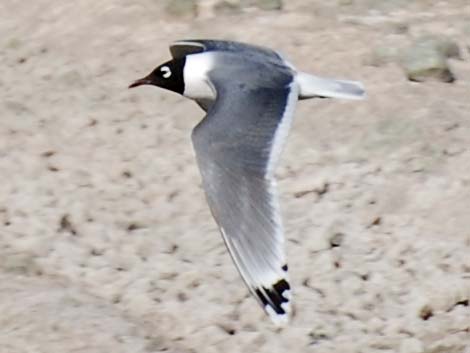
<point>192,46</point>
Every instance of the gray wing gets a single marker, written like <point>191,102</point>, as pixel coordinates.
<point>237,145</point>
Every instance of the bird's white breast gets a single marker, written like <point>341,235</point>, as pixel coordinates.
<point>195,74</point>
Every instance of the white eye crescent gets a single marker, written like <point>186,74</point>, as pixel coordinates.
<point>166,72</point>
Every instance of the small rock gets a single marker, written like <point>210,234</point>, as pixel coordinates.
<point>17,108</point>
<point>336,239</point>
<point>398,27</point>
<point>264,4</point>
<point>426,61</point>
<point>21,263</point>
<point>156,344</point>
<point>227,8</point>
<point>386,5</point>
<point>13,43</point>
<point>317,337</point>
<point>66,225</point>
<point>182,8</point>
<point>375,222</point>
<point>425,312</point>
<point>448,47</point>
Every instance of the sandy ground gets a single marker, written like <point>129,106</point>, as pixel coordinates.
<point>107,244</point>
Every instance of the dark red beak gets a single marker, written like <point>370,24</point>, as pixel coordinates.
<point>140,82</point>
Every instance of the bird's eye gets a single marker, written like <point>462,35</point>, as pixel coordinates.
<point>166,72</point>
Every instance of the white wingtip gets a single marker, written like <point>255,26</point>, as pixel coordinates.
<point>280,320</point>
<point>314,86</point>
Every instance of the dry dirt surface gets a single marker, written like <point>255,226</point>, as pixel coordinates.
<point>107,244</point>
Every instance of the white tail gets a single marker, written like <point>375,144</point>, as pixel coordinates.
<point>314,86</point>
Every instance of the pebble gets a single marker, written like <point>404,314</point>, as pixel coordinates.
<point>263,4</point>
<point>227,8</point>
<point>426,60</point>
<point>182,8</point>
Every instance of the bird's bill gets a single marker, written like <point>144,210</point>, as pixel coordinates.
<point>140,82</point>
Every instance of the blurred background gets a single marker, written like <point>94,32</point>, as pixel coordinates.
<point>106,241</point>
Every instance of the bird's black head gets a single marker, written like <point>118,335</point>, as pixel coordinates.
<point>168,75</point>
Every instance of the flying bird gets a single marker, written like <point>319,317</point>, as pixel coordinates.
<point>249,94</point>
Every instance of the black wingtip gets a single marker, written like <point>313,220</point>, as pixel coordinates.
<point>276,300</point>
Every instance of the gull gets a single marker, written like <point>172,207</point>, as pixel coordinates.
<point>249,94</point>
